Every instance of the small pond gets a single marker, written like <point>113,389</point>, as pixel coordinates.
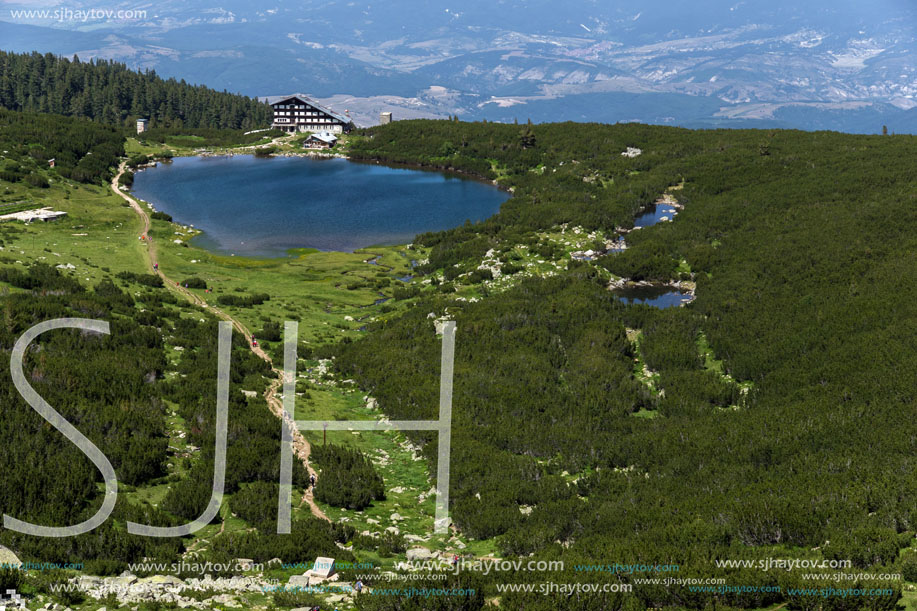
<point>657,296</point>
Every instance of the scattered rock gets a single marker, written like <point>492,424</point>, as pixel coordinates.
<point>225,599</point>
<point>419,554</point>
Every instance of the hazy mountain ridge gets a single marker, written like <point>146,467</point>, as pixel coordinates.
<point>746,62</point>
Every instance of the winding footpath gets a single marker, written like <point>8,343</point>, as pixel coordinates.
<point>301,447</point>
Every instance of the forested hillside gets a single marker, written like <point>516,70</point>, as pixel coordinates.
<point>108,92</point>
<point>115,390</point>
<point>80,149</point>
<point>771,417</point>
<point>801,246</point>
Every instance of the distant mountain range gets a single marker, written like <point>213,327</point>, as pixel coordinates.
<point>848,65</point>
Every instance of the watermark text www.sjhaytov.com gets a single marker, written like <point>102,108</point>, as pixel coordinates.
<point>63,13</point>
<point>785,564</point>
<point>41,566</point>
<point>486,566</point>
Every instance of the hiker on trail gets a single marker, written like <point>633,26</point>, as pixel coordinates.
<point>312,480</point>
<point>358,586</point>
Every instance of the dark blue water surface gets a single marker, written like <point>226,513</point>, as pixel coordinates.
<point>654,215</point>
<point>656,296</point>
<point>263,207</point>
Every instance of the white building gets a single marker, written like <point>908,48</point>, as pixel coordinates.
<point>321,140</point>
<point>301,114</point>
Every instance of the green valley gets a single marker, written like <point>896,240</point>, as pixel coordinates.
<point>767,418</point>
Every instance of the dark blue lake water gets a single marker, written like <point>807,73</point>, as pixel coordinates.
<point>656,296</point>
<point>655,214</point>
<point>263,207</point>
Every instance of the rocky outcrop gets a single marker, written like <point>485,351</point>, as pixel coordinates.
<point>7,557</point>
<point>167,589</point>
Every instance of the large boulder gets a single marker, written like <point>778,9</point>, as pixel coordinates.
<point>298,581</point>
<point>323,568</point>
<point>8,558</point>
<point>419,554</point>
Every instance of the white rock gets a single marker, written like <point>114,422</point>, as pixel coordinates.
<point>298,581</point>
<point>7,557</point>
<point>416,554</point>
